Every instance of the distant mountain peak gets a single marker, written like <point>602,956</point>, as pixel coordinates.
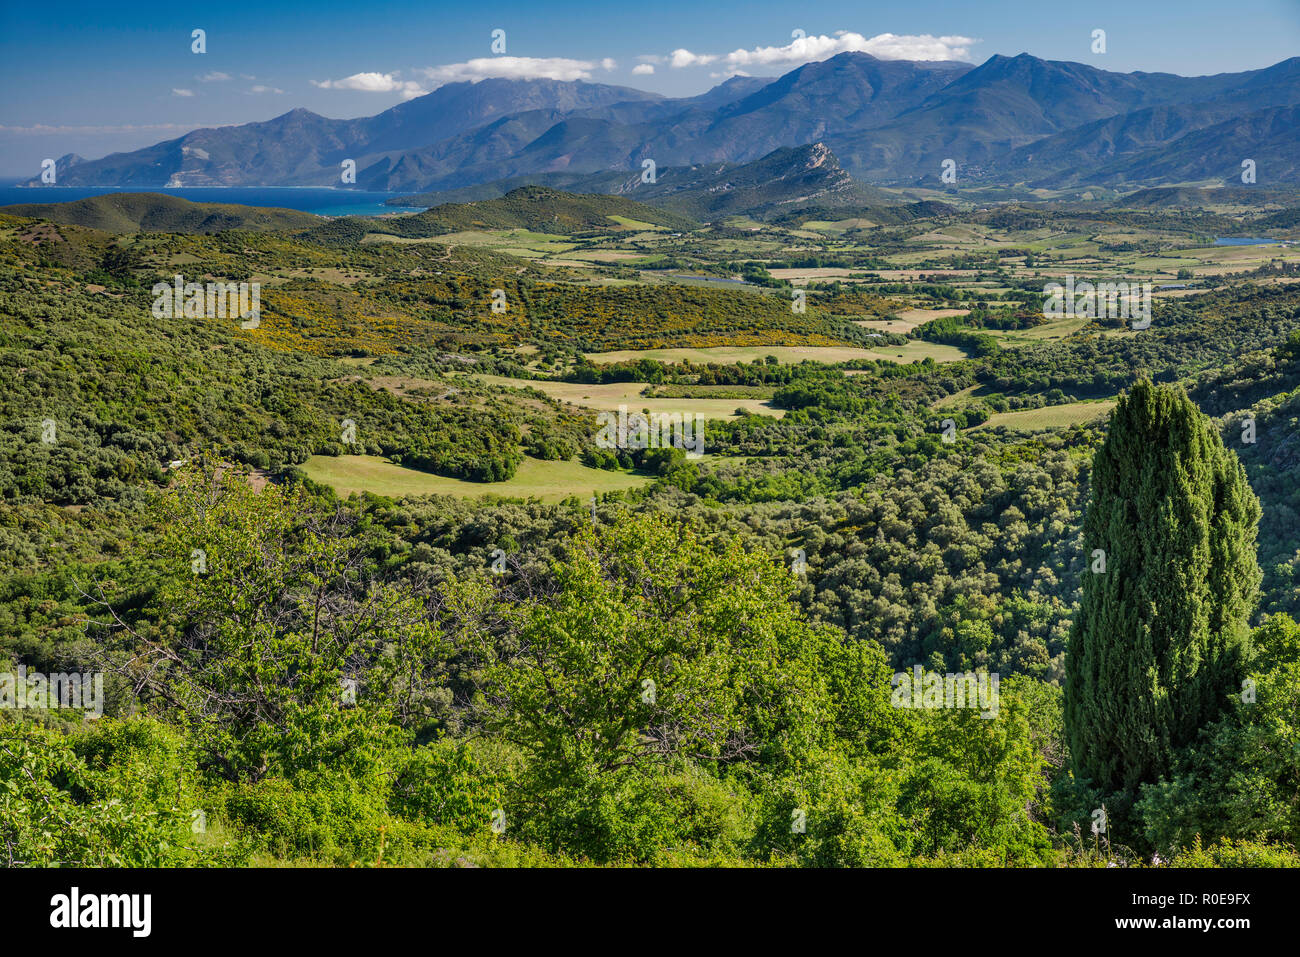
<point>1011,119</point>
<point>819,154</point>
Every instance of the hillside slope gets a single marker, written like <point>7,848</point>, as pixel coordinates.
<point>785,179</point>
<point>543,209</point>
<point>159,213</point>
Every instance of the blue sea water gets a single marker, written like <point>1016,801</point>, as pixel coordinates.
<point>1242,241</point>
<point>321,201</point>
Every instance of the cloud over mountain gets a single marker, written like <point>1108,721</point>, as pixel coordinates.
<point>886,46</point>
<point>889,121</point>
<point>516,68</point>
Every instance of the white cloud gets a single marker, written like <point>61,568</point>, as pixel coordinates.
<point>886,46</point>
<point>515,68</point>
<point>643,69</point>
<point>681,58</point>
<point>480,68</point>
<point>177,92</point>
<point>264,89</point>
<point>373,83</point>
<point>216,76</point>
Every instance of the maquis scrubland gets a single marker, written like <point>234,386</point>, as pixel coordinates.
<point>950,578</point>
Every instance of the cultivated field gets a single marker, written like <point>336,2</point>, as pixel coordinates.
<point>912,352</point>
<point>547,481</point>
<point>1050,417</point>
<point>908,319</point>
<point>607,398</point>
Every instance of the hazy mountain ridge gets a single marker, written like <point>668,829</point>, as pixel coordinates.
<point>126,213</point>
<point>1008,120</point>
<point>787,178</point>
<point>543,209</point>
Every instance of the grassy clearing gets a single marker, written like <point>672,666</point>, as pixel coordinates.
<point>516,242</point>
<point>907,319</point>
<point>957,398</point>
<point>637,224</point>
<point>918,349</point>
<point>1217,260</point>
<point>548,481</point>
<point>1050,417</point>
<point>587,257</point>
<point>837,226</point>
<point>401,384</point>
<point>796,275</point>
<point>911,352</point>
<point>1052,329</point>
<point>918,316</point>
<point>953,234</point>
<point>607,398</point>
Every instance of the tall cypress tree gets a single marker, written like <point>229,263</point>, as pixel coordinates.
<point>1162,633</point>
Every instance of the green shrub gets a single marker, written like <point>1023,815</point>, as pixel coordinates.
<point>442,783</point>
<point>1226,853</point>
<point>56,811</point>
<point>331,823</point>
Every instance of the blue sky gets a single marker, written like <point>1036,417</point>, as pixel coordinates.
<point>95,78</point>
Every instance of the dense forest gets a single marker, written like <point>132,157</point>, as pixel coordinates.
<point>701,670</point>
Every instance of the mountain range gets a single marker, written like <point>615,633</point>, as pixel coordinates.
<point>804,181</point>
<point>786,178</point>
<point>1009,120</point>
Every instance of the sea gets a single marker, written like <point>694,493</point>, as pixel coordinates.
<point>307,199</point>
<point>1243,241</point>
